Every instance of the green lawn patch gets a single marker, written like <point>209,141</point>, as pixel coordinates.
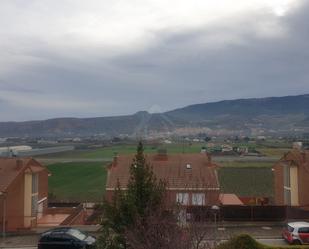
<point>247,181</point>
<point>77,181</point>
<point>244,164</point>
<point>274,152</point>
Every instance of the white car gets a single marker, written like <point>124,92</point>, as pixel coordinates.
<point>296,233</point>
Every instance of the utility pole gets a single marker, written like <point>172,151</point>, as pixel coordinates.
<point>215,210</point>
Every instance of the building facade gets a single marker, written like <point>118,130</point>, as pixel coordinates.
<point>191,179</point>
<point>23,193</point>
<point>291,175</point>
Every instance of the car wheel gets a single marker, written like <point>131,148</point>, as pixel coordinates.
<point>296,242</point>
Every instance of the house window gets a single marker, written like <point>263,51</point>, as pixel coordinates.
<point>198,199</point>
<point>287,184</point>
<point>35,183</point>
<point>34,194</point>
<point>182,198</point>
<point>286,176</point>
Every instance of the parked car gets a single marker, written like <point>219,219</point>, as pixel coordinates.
<point>296,233</point>
<point>66,238</point>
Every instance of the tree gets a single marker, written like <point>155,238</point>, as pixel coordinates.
<point>144,194</point>
<point>138,216</point>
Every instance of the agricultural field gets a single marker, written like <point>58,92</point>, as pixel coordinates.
<point>80,175</point>
<point>274,152</point>
<point>86,181</point>
<point>247,181</point>
<point>109,152</point>
<point>245,164</point>
<point>77,181</point>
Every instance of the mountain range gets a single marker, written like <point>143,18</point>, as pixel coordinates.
<point>255,116</point>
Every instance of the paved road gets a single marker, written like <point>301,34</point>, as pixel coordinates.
<point>25,247</point>
<point>269,234</point>
<point>273,242</point>
<point>270,242</point>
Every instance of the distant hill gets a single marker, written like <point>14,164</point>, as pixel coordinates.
<point>274,115</point>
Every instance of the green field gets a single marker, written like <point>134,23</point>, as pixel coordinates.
<point>77,181</point>
<point>245,164</point>
<point>274,152</point>
<point>109,152</point>
<point>247,181</point>
<point>86,181</point>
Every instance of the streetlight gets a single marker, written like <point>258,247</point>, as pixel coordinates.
<point>3,194</point>
<point>215,210</point>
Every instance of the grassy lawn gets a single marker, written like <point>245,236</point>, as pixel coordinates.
<point>274,152</point>
<point>77,181</point>
<point>244,164</point>
<point>247,181</point>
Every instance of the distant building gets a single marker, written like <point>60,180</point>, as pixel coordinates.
<point>226,148</point>
<point>191,178</point>
<point>291,174</point>
<point>13,150</point>
<point>297,145</point>
<point>166,141</point>
<point>23,192</point>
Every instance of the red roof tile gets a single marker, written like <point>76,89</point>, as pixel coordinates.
<point>11,167</point>
<point>230,199</point>
<point>174,170</point>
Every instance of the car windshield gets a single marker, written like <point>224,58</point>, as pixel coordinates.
<point>290,229</point>
<point>77,234</point>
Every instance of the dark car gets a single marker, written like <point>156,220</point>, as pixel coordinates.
<point>66,238</point>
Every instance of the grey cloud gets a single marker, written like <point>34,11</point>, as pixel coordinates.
<point>226,61</point>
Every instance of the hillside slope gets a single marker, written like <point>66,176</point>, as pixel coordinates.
<point>242,116</point>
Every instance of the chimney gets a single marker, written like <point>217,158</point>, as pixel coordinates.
<point>303,156</point>
<point>208,157</point>
<point>161,155</point>
<point>297,145</point>
<point>19,164</point>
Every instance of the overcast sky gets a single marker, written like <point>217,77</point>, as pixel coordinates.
<point>78,58</point>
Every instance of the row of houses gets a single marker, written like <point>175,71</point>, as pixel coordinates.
<point>191,179</point>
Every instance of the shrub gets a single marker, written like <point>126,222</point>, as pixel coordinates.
<point>245,241</point>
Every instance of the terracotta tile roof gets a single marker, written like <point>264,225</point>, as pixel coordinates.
<point>298,157</point>
<point>179,171</point>
<point>230,199</point>
<point>11,167</point>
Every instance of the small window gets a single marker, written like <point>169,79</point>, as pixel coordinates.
<point>57,236</point>
<point>35,183</point>
<point>290,229</point>
<point>182,198</point>
<point>67,237</point>
<point>198,199</point>
<point>303,230</point>
<point>286,176</point>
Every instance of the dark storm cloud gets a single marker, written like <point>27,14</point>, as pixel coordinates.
<point>252,55</point>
